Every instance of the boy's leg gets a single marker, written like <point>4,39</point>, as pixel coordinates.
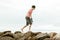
<point>23,27</point>
<point>30,27</point>
<point>26,23</point>
<point>30,22</point>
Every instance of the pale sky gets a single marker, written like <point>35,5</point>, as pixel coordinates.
<point>46,16</point>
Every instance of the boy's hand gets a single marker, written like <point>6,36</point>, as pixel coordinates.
<point>31,20</point>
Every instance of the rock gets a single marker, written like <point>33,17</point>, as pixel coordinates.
<point>7,35</point>
<point>18,35</point>
<point>7,32</point>
<point>57,36</point>
<point>35,33</point>
<point>52,34</point>
<point>57,39</point>
<point>2,33</point>
<point>28,36</point>
<point>34,36</point>
<point>6,38</point>
<point>41,36</point>
<point>47,39</point>
<point>17,32</point>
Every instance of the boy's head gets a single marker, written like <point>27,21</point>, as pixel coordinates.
<point>33,7</point>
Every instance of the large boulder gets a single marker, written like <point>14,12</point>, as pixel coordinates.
<point>2,33</point>
<point>57,36</point>
<point>28,35</point>
<point>41,36</point>
<point>6,38</point>
<point>7,35</point>
<point>18,35</point>
<point>52,34</point>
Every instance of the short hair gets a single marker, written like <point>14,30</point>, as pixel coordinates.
<point>33,6</point>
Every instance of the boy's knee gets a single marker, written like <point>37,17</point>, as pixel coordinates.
<point>26,25</point>
<point>31,24</point>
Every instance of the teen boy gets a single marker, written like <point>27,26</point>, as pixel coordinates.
<point>29,18</point>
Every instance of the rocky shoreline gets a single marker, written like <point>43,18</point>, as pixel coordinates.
<point>8,35</point>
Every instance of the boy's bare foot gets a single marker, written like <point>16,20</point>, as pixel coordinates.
<point>22,30</point>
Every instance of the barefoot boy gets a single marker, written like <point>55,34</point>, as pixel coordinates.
<point>29,18</point>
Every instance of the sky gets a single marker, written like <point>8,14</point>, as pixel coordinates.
<point>46,16</point>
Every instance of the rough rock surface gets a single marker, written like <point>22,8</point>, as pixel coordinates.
<point>8,35</point>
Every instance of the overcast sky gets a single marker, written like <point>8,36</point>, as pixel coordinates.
<point>46,16</point>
